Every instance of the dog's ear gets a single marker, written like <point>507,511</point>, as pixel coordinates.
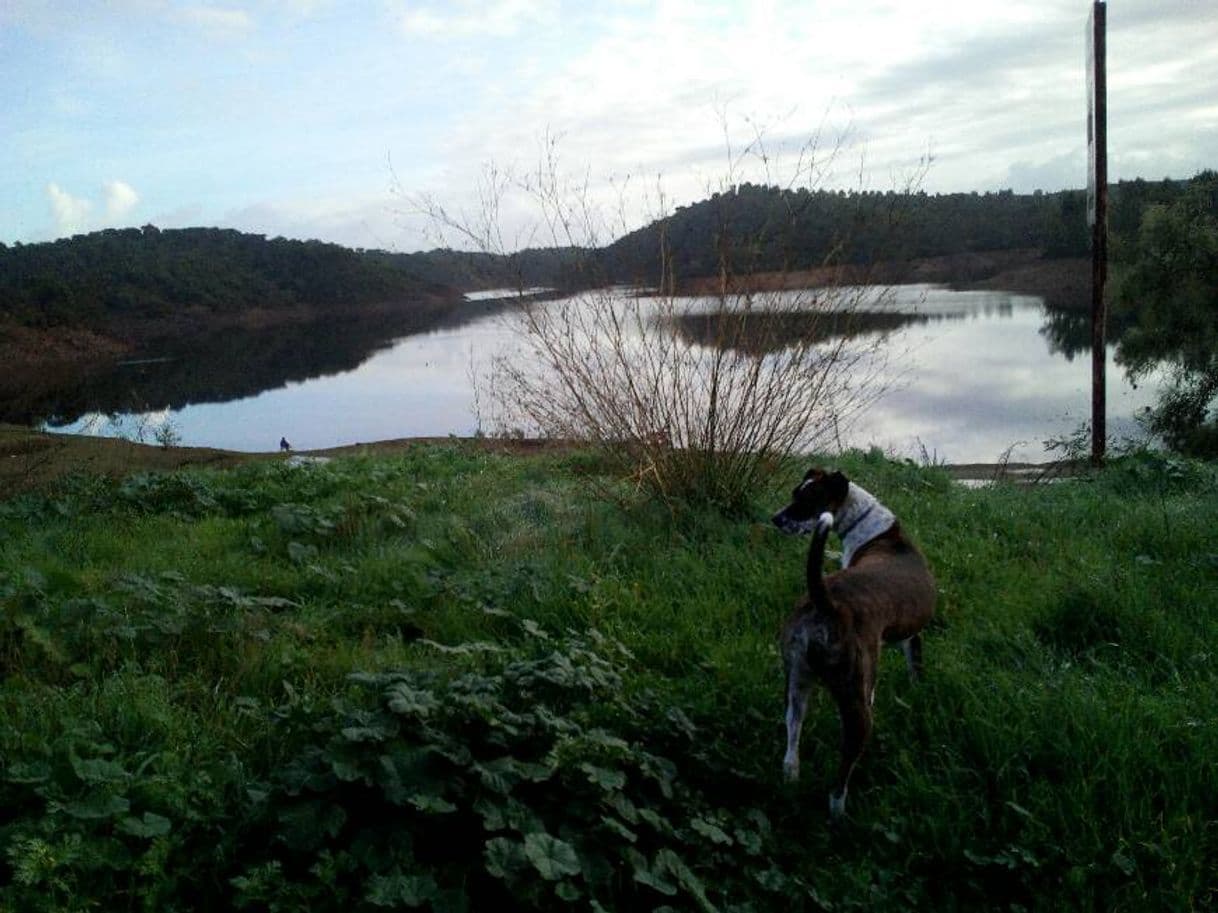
<point>837,485</point>
<point>813,474</point>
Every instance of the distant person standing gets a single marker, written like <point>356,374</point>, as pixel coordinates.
<point>284,446</point>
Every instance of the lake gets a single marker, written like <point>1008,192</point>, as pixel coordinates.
<point>972,375</point>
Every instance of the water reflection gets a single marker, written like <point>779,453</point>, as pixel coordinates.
<point>222,367</point>
<point>972,374</point>
<point>760,333</point>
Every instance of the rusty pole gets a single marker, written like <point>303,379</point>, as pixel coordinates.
<point>1097,212</point>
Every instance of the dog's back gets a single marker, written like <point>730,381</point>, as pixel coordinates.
<point>888,588</point>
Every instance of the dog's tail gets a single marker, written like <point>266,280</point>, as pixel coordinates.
<point>816,559</point>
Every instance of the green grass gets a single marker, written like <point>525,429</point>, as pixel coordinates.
<point>563,700</point>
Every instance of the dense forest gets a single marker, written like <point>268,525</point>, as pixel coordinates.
<point>121,276</point>
<point>755,228</point>
<point>760,229</point>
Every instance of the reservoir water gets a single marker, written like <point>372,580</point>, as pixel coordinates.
<point>972,377</point>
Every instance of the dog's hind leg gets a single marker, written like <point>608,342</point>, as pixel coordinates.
<point>913,656</point>
<point>797,709</point>
<point>856,729</point>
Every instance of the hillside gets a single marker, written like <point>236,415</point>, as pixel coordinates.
<point>98,296</point>
<point>114,290</point>
<point>754,230</point>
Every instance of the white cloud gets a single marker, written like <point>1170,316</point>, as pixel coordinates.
<point>121,198</point>
<point>219,22</point>
<point>71,213</point>
<point>362,220</point>
<point>503,17</point>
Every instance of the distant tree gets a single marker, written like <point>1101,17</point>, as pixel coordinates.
<point>1065,232</point>
<point>1168,291</point>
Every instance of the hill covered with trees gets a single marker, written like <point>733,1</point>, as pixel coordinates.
<point>120,289</point>
<point>754,229</point>
<point>121,280</point>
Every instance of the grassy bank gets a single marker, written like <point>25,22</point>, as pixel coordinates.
<point>449,678</point>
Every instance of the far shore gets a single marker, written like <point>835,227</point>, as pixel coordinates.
<point>1062,283</point>
<point>32,460</point>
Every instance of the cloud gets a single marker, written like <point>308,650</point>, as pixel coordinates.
<point>71,213</point>
<point>121,198</point>
<point>504,17</point>
<point>219,22</point>
<point>1060,172</point>
<point>363,220</point>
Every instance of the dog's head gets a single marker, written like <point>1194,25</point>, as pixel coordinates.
<point>819,491</point>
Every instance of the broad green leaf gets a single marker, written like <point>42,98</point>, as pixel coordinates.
<point>300,552</point>
<point>151,825</point>
<point>492,815</point>
<point>496,776</point>
<point>773,879</point>
<point>345,770</point>
<point>657,822</point>
<point>28,772</point>
<point>608,780</point>
<point>655,881</point>
<point>408,701</point>
<point>98,770</point>
<point>503,857</point>
<point>432,804</point>
<point>749,841</point>
<point>1124,863</point>
<point>365,734</point>
<point>673,863</point>
<point>96,806</point>
<point>711,831</point>
<point>552,857</point>
<point>398,889</point>
<point>624,807</point>
<point>620,829</point>
<point>567,891</point>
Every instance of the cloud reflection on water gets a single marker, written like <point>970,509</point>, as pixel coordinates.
<point>971,376</point>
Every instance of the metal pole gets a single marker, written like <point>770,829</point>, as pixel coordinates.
<point>1097,129</point>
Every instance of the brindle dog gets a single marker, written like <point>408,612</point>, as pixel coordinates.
<point>884,594</point>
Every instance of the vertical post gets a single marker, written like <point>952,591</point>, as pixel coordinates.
<point>1097,216</point>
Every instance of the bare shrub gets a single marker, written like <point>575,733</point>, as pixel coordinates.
<point>695,397</point>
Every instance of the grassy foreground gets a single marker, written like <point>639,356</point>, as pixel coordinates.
<point>450,679</point>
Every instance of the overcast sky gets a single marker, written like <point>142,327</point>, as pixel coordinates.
<point>316,119</point>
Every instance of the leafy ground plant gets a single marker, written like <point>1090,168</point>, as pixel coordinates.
<point>476,686</point>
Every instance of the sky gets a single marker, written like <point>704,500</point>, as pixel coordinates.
<point>341,120</point>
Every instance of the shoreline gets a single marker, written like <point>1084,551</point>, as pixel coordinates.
<point>31,460</point>
<point>1062,283</point>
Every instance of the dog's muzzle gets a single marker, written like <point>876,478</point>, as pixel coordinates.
<point>795,527</point>
<point>792,526</point>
